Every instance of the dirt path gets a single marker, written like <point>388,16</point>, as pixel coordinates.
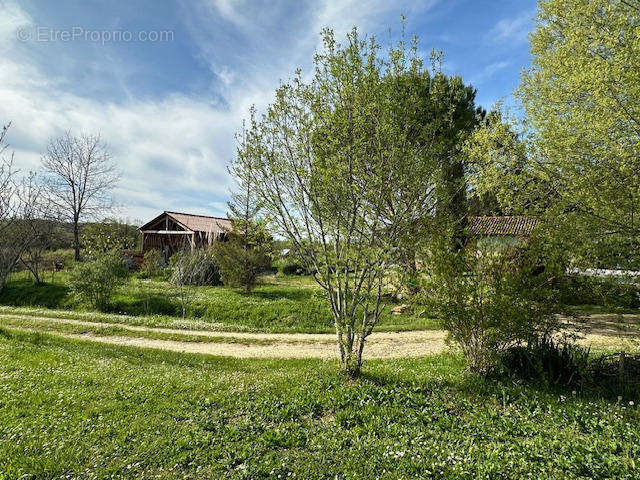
<point>298,345</point>
<point>282,345</point>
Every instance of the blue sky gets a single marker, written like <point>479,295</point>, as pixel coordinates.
<point>167,83</point>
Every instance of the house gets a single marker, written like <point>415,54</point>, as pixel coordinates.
<point>172,231</point>
<point>500,230</point>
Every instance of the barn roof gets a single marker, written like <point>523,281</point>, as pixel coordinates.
<point>515,226</point>
<point>195,223</point>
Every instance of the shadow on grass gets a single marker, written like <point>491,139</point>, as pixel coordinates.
<point>445,374</point>
<point>26,293</point>
<point>277,293</point>
<point>148,304</point>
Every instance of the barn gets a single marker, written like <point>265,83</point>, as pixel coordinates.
<point>172,231</point>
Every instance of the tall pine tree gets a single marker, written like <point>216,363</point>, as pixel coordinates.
<point>248,250</point>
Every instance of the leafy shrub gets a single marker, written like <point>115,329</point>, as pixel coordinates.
<point>606,292</point>
<point>194,267</point>
<point>241,261</point>
<point>556,363</point>
<point>95,281</point>
<point>152,263</point>
<point>490,300</point>
<point>289,266</point>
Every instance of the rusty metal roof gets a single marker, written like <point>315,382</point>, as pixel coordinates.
<point>512,226</point>
<point>195,223</point>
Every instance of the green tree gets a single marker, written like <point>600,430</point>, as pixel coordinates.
<point>340,175</point>
<point>247,251</point>
<point>110,234</point>
<point>582,100</point>
<point>453,118</point>
<point>95,281</point>
<point>502,177</point>
<point>445,116</point>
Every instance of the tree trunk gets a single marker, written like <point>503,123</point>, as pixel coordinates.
<point>458,206</point>
<point>76,240</point>
<point>452,204</point>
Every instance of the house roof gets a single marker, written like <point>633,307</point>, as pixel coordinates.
<point>512,226</point>
<point>195,223</point>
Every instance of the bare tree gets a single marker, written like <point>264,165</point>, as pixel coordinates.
<point>7,184</point>
<point>7,207</point>
<point>21,208</point>
<point>81,176</point>
<point>41,230</point>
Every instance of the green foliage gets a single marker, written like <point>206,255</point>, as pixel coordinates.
<point>290,266</point>
<point>79,409</point>
<point>606,292</point>
<point>582,100</point>
<point>563,363</point>
<point>242,260</point>
<point>489,298</point>
<point>342,172</point>
<point>58,259</point>
<point>554,362</point>
<point>502,177</point>
<point>95,281</point>
<point>194,267</point>
<point>152,263</point>
<point>109,235</point>
<point>248,249</point>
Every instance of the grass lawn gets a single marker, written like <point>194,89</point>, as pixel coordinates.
<point>79,410</point>
<point>279,304</point>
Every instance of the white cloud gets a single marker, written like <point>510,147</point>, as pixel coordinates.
<point>164,148</point>
<point>488,72</point>
<point>173,151</point>
<point>514,30</point>
<point>12,18</point>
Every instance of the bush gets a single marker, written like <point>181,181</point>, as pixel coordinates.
<point>605,292</point>
<point>241,263</point>
<point>490,300</point>
<point>195,267</point>
<point>555,363</point>
<point>289,266</point>
<point>152,264</point>
<point>58,259</point>
<point>95,281</point>
<point>564,364</point>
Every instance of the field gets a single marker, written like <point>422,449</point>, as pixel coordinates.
<point>80,410</point>
<point>279,304</point>
<point>79,398</point>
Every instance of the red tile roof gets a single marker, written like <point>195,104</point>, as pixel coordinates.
<point>202,223</point>
<point>516,226</point>
<point>196,223</point>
